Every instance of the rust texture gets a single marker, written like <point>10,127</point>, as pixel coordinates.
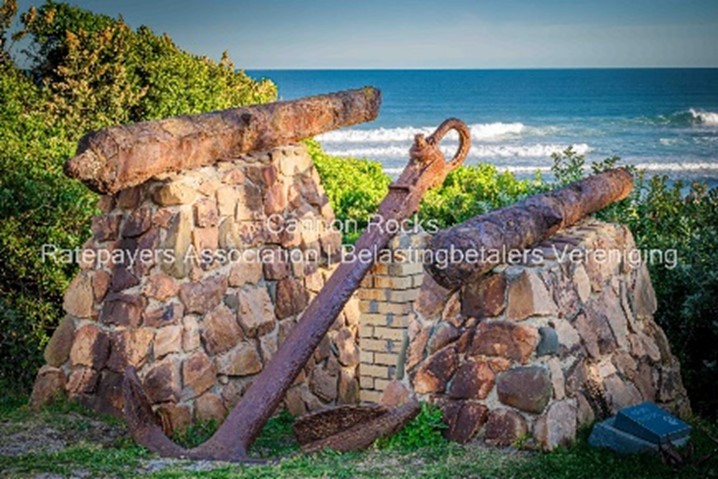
<point>426,168</point>
<point>520,226</point>
<point>116,158</point>
<point>363,433</point>
<point>333,420</point>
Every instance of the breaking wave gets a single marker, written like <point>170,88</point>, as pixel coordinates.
<point>479,131</point>
<point>678,167</point>
<point>704,117</point>
<point>687,118</point>
<point>650,167</point>
<point>538,150</point>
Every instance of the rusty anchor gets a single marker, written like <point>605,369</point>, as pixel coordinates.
<point>427,168</point>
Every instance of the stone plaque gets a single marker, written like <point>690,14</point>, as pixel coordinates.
<point>651,423</point>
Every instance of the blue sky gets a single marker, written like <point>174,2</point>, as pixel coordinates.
<point>437,34</point>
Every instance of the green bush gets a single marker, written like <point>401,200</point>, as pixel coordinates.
<point>87,71</point>
<point>425,430</point>
<point>37,206</point>
<point>354,187</point>
<point>473,190</point>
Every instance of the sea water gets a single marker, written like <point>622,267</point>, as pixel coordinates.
<point>664,121</point>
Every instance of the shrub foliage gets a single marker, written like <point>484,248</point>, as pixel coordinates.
<point>86,71</point>
<point>354,187</point>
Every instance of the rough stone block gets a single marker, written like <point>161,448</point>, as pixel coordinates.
<point>220,330</point>
<point>129,347</point>
<point>49,385</point>
<point>443,334</point>
<point>244,273</point>
<point>243,360</point>
<point>557,427</point>
<point>161,287</point>
<point>174,193</point>
<point>528,296</point>
<point>166,315</point>
<point>255,312</point>
<point>323,384</point>
<point>137,222</point>
<point>348,351</point>
<point>162,381</point>
<point>198,374</point>
<point>504,427</point>
<point>201,297</point>
<point>473,380</point>
<point>484,298</point>
<point>505,339</point>
<point>435,372</point>
<point>206,213</point>
<point>178,241</point>
<point>168,340</point>
<point>431,298</point>
<point>90,347</point>
<point>210,407</point>
<point>58,348</point>
<point>526,388</point>
<point>79,297</point>
<point>292,298</point>
<point>464,419</point>
<point>548,344</point>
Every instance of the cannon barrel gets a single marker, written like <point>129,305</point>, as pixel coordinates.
<point>519,226</point>
<point>116,158</point>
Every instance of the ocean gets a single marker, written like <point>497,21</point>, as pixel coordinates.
<point>662,120</point>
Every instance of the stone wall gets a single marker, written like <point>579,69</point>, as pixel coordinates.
<point>530,351</point>
<point>198,329</point>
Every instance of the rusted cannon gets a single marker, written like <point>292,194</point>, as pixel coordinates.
<point>519,226</point>
<point>426,168</point>
<point>116,158</point>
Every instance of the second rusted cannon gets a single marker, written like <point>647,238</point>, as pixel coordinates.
<point>463,252</point>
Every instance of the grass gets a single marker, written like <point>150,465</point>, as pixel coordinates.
<point>440,459</point>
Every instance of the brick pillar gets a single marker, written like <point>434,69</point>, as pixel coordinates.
<point>386,301</point>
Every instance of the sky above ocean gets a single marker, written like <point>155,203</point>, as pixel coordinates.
<point>261,34</point>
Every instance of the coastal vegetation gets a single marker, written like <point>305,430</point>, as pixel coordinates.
<point>82,71</point>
